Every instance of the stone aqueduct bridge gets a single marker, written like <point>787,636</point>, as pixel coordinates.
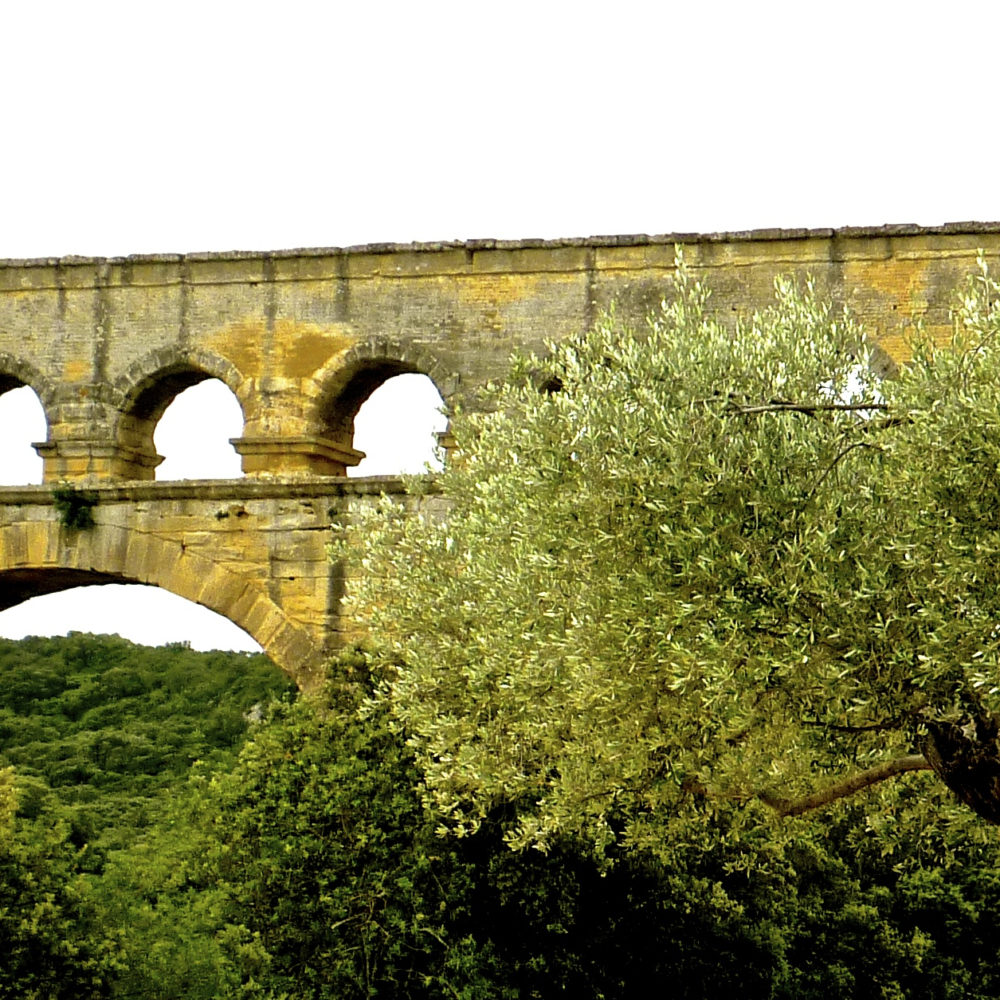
<point>303,338</point>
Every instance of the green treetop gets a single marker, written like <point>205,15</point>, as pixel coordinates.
<point>702,566</point>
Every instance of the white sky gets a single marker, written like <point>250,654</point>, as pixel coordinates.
<point>137,128</point>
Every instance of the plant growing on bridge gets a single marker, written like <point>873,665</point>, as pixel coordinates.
<point>74,506</point>
<point>716,569</point>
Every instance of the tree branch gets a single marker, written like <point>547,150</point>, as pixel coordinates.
<point>810,409</point>
<point>833,464</point>
<point>874,727</point>
<point>846,786</point>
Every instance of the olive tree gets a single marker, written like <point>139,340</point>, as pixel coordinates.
<point>697,565</point>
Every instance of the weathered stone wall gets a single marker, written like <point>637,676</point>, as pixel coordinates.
<point>302,338</point>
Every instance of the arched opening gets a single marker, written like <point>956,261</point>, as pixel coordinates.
<point>22,424</point>
<point>142,614</point>
<point>42,558</point>
<point>179,422</point>
<point>397,427</point>
<point>194,433</point>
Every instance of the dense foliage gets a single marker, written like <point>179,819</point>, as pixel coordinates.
<point>309,869</point>
<point>703,562</point>
<point>100,727</point>
<point>335,885</point>
<point>50,947</point>
<point>97,735</point>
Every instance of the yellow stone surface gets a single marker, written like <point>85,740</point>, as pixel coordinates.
<point>302,338</point>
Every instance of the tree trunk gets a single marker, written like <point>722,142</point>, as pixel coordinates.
<point>967,759</point>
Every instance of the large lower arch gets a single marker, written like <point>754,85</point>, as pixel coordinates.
<point>41,557</point>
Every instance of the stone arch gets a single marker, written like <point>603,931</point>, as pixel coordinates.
<point>14,372</point>
<point>35,558</point>
<point>171,369</point>
<point>149,386</point>
<point>345,383</point>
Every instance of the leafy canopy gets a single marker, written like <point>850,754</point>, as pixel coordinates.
<point>330,882</point>
<point>50,943</point>
<point>702,564</point>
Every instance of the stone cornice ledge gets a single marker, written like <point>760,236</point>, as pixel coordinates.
<point>472,245</point>
<point>215,489</point>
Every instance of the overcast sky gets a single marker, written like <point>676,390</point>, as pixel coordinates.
<point>138,128</point>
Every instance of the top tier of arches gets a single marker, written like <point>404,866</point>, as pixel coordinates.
<point>290,426</point>
<point>302,338</point>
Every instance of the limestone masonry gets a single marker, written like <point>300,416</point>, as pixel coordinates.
<point>302,338</point>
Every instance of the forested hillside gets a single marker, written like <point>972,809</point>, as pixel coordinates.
<point>150,851</point>
<point>97,727</point>
<point>98,739</point>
